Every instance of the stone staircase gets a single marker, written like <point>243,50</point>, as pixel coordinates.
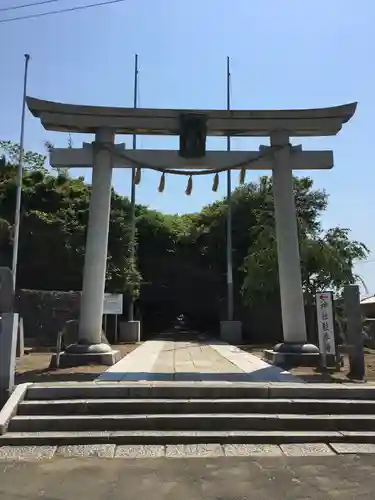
<point>188,413</point>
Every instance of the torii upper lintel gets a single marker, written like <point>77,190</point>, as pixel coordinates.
<point>243,123</point>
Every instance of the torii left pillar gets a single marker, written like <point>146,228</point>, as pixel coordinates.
<point>90,347</point>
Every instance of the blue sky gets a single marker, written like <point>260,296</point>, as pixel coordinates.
<point>284,54</point>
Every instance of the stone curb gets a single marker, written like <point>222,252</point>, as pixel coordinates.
<point>212,450</point>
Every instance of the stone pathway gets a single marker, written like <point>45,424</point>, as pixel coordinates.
<point>170,360</point>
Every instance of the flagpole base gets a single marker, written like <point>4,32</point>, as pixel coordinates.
<point>231,332</point>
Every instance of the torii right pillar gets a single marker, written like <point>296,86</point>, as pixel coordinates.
<point>294,350</point>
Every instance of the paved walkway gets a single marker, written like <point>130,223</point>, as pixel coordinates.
<point>262,478</point>
<point>200,360</point>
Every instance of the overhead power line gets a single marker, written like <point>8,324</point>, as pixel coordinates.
<point>25,5</point>
<point>61,11</point>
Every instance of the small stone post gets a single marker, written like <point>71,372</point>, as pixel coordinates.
<point>8,346</point>
<point>9,323</point>
<point>354,332</point>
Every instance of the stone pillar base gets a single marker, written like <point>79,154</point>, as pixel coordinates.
<point>130,332</point>
<point>289,355</point>
<point>68,359</point>
<point>231,332</point>
<point>81,348</point>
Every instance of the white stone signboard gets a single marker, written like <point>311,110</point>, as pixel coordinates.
<point>326,327</point>
<point>113,303</point>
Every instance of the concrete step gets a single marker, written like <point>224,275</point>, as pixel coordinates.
<point>180,406</point>
<point>199,390</point>
<point>197,422</point>
<point>188,413</point>
<point>182,437</point>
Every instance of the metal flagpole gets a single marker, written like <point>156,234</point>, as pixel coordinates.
<point>132,197</point>
<point>229,216</point>
<point>17,214</point>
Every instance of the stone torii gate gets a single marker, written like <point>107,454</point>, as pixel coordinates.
<point>280,157</point>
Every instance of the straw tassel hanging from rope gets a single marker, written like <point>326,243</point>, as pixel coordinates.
<point>137,178</point>
<point>189,186</point>
<point>242,175</point>
<point>215,184</point>
<point>162,183</point>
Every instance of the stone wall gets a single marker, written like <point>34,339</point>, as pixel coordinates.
<point>45,312</point>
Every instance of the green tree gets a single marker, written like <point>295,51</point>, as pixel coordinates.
<point>326,256</point>
<point>54,215</point>
<point>31,160</point>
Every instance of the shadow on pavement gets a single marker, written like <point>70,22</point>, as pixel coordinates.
<point>268,374</point>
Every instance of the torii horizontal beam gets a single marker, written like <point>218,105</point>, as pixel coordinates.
<point>301,160</point>
<point>244,123</point>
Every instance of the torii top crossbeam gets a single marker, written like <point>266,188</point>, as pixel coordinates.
<point>244,123</point>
